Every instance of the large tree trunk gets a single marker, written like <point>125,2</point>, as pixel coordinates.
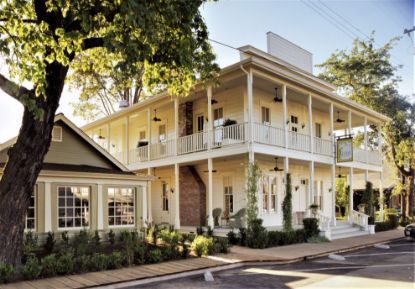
<point>24,164</point>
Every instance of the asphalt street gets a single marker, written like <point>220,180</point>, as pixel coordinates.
<point>366,268</point>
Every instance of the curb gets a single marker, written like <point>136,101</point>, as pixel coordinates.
<point>237,264</point>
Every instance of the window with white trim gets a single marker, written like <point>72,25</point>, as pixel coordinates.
<point>218,117</point>
<point>30,222</point>
<point>318,130</point>
<point>73,207</point>
<point>294,123</point>
<point>121,206</point>
<point>265,115</point>
<point>265,193</point>
<point>165,197</point>
<point>273,195</point>
<point>228,195</point>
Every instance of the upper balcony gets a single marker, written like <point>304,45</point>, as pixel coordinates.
<point>272,117</point>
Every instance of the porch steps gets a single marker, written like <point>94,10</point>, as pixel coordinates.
<point>345,230</point>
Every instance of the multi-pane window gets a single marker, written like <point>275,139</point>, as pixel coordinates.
<point>273,195</point>
<point>228,194</point>
<point>218,117</point>
<point>31,211</point>
<point>121,206</point>
<point>318,130</point>
<point>142,135</point>
<point>162,133</point>
<point>73,207</point>
<point>294,123</point>
<point>200,122</point>
<point>265,193</point>
<point>265,116</point>
<point>165,197</point>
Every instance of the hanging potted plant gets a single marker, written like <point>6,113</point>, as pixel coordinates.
<point>314,209</point>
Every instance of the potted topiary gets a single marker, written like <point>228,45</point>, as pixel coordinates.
<point>314,208</point>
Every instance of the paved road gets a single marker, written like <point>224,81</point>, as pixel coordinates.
<point>367,268</point>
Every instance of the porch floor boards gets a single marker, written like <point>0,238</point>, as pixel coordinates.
<point>238,254</point>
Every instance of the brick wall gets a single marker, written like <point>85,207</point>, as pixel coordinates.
<point>192,198</point>
<point>186,118</point>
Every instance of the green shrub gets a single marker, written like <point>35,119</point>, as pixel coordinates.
<point>98,262</point>
<point>31,269</point>
<point>140,253</point>
<point>281,238</point>
<point>49,265</point>
<point>393,220</point>
<point>80,242</point>
<point>82,263</point>
<point>30,244</point>
<point>153,234</point>
<point>96,239</point>
<point>185,252</point>
<point>232,238</point>
<point>115,260</point>
<point>310,227</point>
<point>65,239</point>
<point>50,243</point>
<point>317,239</point>
<point>155,256</point>
<point>201,244</point>
<point>6,272</point>
<point>257,235</point>
<point>221,245</point>
<point>128,244</point>
<point>390,224</point>
<point>242,235</point>
<point>111,237</point>
<point>170,238</point>
<point>65,263</point>
<point>287,205</point>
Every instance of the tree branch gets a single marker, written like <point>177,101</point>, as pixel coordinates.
<point>16,91</point>
<point>24,20</point>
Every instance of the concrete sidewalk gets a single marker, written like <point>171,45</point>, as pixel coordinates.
<point>238,256</point>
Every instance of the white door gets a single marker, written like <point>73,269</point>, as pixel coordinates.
<point>165,202</point>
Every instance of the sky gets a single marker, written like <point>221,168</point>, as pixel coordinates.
<point>318,26</point>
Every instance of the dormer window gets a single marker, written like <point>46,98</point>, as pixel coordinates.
<point>57,134</point>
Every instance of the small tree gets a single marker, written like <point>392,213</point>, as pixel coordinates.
<point>254,173</point>
<point>367,199</point>
<point>287,206</point>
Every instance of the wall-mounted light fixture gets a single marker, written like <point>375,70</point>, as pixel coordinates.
<point>296,188</point>
<point>171,190</point>
<point>288,121</point>
<point>277,98</point>
<point>303,125</point>
<point>330,190</point>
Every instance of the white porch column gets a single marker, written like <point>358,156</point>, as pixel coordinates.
<point>284,107</point>
<point>332,129</point>
<point>48,207</point>
<point>144,205</point>
<point>109,137</point>
<point>286,170</point>
<point>177,196</point>
<point>349,121</point>
<point>381,211</point>
<point>310,197</point>
<point>350,193</point>
<point>366,176</point>
<point>100,207</point>
<point>209,115</point>
<point>250,114</point>
<point>310,122</point>
<point>148,134</point>
<point>176,125</point>
<point>333,194</point>
<point>210,194</point>
<point>149,201</point>
<point>127,140</point>
<point>365,138</point>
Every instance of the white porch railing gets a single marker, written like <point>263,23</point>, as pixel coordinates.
<point>139,154</point>
<point>373,157</point>
<point>298,141</point>
<point>163,149</point>
<point>360,219</point>
<point>323,146</point>
<point>323,221</point>
<point>121,156</point>
<point>266,134</point>
<point>193,143</point>
<point>228,135</point>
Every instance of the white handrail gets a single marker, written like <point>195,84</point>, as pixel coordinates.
<point>268,134</point>
<point>323,146</point>
<point>360,219</point>
<point>193,143</point>
<point>298,141</point>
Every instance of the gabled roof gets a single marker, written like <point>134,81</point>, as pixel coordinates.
<point>82,135</point>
